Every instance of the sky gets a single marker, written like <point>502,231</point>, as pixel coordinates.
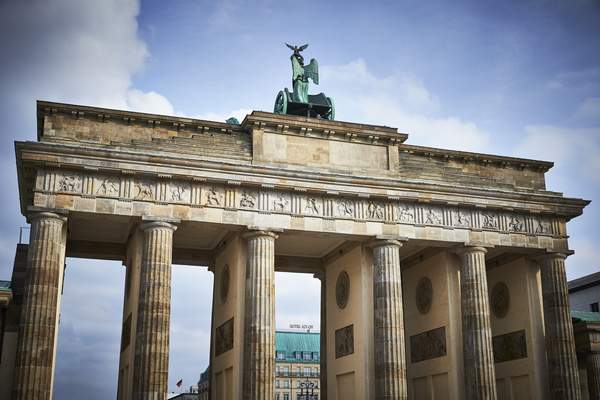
<point>515,78</point>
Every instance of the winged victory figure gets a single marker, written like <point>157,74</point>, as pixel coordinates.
<point>301,73</point>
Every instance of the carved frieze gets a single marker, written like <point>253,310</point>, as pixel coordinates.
<point>70,181</point>
<point>224,338</point>
<point>224,284</point>
<point>428,345</point>
<point>126,334</point>
<point>344,341</point>
<point>298,202</point>
<point>510,346</point>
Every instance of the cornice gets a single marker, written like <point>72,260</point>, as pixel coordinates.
<point>80,158</point>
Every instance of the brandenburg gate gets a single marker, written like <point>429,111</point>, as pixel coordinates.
<point>442,272</point>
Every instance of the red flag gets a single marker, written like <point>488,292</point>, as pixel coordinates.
<point>179,383</point>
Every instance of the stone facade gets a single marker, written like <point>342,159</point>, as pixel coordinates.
<point>304,195</point>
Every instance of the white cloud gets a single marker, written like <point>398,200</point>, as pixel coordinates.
<point>82,52</point>
<point>240,114</point>
<point>568,148</point>
<point>150,102</point>
<point>401,100</point>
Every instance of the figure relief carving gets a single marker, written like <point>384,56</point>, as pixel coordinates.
<point>70,182</point>
<point>510,346</point>
<point>213,197</point>
<point>424,295</point>
<point>224,338</point>
<point>433,216</point>
<point>247,200</point>
<point>344,341</point>
<point>500,301</point>
<point>404,213</point>
<point>144,189</point>
<point>543,227</point>
<point>178,191</point>
<point>311,205</point>
<point>344,208</point>
<point>374,210</point>
<point>428,345</point>
<point>280,203</point>
<point>109,187</point>
<point>342,289</point>
<point>463,217</point>
<point>515,224</point>
<point>489,221</point>
<point>224,285</point>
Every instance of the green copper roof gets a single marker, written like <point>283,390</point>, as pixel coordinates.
<point>5,285</point>
<point>292,342</point>
<point>585,316</point>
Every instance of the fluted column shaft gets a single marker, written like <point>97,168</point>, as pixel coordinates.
<point>390,352</point>
<point>593,374</point>
<point>259,321</point>
<point>478,355</point>
<point>39,313</point>
<point>560,344</point>
<point>151,365</point>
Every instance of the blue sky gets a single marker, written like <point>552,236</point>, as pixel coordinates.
<point>516,78</point>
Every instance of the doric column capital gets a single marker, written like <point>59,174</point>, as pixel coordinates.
<point>149,222</point>
<point>37,215</point>
<point>387,240</point>
<point>552,256</point>
<point>251,234</point>
<point>471,248</point>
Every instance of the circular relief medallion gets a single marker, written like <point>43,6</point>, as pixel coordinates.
<point>342,289</point>
<point>225,283</point>
<point>500,300</point>
<point>424,295</point>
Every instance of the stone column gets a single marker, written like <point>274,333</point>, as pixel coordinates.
<point>259,320</point>
<point>323,336</point>
<point>593,374</point>
<point>480,375</point>
<point>37,330</point>
<point>151,365</point>
<point>560,343</point>
<point>390,352</point>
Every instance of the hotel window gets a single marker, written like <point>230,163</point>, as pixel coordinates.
<point>306,371</point>
<point>298,384</point>
<point>276,384</point>
<point>315,356</point>
<point>286,371</point>
<point>281,356</point>
<point>277,371</point>
<point>316,371</point>
<point>286,396</point>
<point>306,356</point>
<point>277,396</point>
<point>297,371</point>
<point>286,384</point>
<point>316,384</point>
<point>297,355</point>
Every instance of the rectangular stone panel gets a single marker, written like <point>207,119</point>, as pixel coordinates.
<point>224,338</point>
<point>126,334</point>
<point>344,341</point>
<point>428,345</point>
<point>510,346</point>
